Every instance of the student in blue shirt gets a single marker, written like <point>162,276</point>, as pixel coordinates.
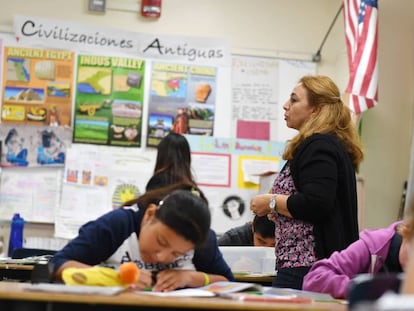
<point>166,231</point>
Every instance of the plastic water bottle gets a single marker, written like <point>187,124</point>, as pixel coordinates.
<point>16,233</point>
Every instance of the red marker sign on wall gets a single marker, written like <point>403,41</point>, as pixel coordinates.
<point>151,8</point>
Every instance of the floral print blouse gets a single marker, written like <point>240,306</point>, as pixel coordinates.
<point>295,241</point>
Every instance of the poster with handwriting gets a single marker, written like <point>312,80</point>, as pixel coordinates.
<point>34,194</point>
<point>182,101</point>
<point>109,100</point>
<point>37,86</point>
<point>260,86</point>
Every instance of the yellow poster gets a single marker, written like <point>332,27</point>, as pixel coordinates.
<point>37,86</point>
<point>250,168</point>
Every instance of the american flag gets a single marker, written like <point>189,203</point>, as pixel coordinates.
<point>361,32</point>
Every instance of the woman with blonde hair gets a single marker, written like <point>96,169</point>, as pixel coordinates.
<point>314,198</point>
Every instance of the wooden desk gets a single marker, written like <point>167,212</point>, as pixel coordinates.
<point>14,298</point>
<point>14,266</point>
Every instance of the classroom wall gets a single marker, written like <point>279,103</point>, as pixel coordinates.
<point>387,129</point>
<point>295,29</point>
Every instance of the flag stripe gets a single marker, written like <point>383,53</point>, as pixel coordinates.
<point>361,24</point>
<point>366,57</point>
<point>369,86</point>
<point>350,29</point>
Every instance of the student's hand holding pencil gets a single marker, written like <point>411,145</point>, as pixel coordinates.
<point>134,277</point>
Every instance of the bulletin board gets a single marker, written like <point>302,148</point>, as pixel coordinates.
<point>248,139</point>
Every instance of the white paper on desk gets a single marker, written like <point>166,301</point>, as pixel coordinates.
<point>75,289</point>
<point>185,292</point>
<point>210,290</point>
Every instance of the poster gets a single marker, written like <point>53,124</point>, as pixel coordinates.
<point>260,86</point>
<point>108,101</point>
<point>34,146</point>
<point>254,96</point>
<point>34,194</point>
<point>182,100</point>
<point>103,178</point>
<point>37,86</point>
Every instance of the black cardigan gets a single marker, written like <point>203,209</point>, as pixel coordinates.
<point>325,179</point>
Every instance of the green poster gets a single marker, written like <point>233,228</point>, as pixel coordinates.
<point>108,101</point>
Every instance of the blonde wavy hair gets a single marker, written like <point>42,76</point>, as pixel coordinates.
<point>332,116</point>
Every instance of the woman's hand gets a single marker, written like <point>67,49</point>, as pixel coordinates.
<point>259,204</point>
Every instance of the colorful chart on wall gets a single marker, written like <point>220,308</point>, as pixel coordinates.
<point>182,100</point>
<point>109,100</point>
<point>37,86</point>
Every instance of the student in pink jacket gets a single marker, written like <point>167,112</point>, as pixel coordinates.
<point>376,250</point>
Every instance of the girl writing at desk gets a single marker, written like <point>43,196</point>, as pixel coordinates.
<point>166,230</point>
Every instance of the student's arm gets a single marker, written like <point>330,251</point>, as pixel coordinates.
<point>334,274</point>
<point>97,240</point>
<point>209,259</point>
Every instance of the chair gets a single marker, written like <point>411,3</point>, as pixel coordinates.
<point>366,288</point>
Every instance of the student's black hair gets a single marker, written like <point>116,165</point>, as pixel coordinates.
<point>187,214</point>
<point>182,208</point>
<point>264,226</point>
<point>174,159</point>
